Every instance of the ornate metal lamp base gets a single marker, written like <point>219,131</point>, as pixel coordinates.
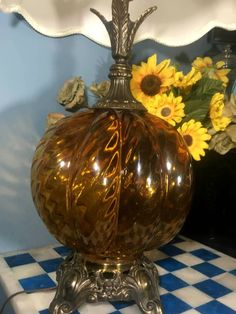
<point>80,281</point>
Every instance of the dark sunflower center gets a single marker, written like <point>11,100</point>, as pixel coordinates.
<point>165,112</point>
<point>188,139</point>
<point>150,85</point>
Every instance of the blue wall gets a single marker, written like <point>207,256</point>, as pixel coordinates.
<point>32,69</point>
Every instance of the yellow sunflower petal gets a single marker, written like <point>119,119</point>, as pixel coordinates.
<point>152,61</point>
<point>208,61</point>
<point>193,131</point>
<point>223,72</point>
<point>188,80</point>
<point>220,64</point>
<point>198,63</point>
<point>163,65</point>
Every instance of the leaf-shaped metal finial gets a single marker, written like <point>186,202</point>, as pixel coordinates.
<point>122,32</point>
<point>121,29</point>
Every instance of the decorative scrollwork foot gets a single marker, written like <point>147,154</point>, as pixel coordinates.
<point>80,281</point>
<point>73,286</point>
<point>143,280</point>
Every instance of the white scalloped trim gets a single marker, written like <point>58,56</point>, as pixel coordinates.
<point>170,38</point>
<point>9,8</point>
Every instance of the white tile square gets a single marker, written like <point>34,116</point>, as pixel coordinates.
<point>29,270</point>
<point>192,296</point>
<point>192,311</point>
<point>226,279</point>
<point>226,263</point>
<point>44,254</point>
<point>42,300</point>
<point>155,255</point>
<point>98,308</point>
<point>229,300</point>
<point>190,275</point>
<point>23,304</point>
<point>134,309</point>
<point>3,265</point>
<point>9,283</point>
<point>188,259</point>
<point>189,246</point>
<point>13,253</point>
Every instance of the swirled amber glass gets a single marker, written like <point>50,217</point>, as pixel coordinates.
<point>112,183</point>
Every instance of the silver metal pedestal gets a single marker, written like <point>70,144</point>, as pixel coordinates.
<point>80,281</point>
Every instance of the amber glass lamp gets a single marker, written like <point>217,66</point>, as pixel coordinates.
<point>111,183</point>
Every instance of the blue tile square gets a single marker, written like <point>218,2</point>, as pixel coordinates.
<point>51,265</point>
<point>118,305</point>
<point>233,272</point>
<point>37,282</point>
<point>214,307</point>
<point>170,264</point>
<point>204,254</point>
<point>116,312</point>
<point>208,269</point>
<point>171,282</point>
<point>212,288</point>
<point>62,250</point>
<point>171,250</point>
<point>18,260</point>
<point>173,305</point>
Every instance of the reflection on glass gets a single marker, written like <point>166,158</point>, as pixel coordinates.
<point>168,165</point>
<point>105,181</point>
<point>62,164</point>
<point>179,180</point>
<point>139,167</point>
<point>96,167</point>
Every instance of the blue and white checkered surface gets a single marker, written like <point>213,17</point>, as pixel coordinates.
<point>193,279</point>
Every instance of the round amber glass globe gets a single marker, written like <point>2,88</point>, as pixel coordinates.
<point>112,183</point>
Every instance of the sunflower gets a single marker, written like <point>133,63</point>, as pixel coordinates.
<point>219,121</point>
<point>168,108</point>
<point>150,79</point>
<point>213,71</point>
<point>195,136</point>
<point>186,81</point>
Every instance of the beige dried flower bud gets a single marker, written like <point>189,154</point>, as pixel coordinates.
<point>101,89</point>
<point>231,131</point>
<point>72,94</point>
<point>230,108</point>
<point>223,142</point>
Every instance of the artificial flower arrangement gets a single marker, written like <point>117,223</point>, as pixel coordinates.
<point>194,103</point>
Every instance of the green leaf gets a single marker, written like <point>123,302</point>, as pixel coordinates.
<point>197,103</point>
<point>206,87</point>
<point>196,109</point>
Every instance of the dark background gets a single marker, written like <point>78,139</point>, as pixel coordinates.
<point>212,217</point>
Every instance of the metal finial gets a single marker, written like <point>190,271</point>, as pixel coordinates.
<point>122,32</point>
<point>121,29</point>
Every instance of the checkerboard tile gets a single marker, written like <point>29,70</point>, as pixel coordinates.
<point>215,307</point>
<point>193,279</point>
